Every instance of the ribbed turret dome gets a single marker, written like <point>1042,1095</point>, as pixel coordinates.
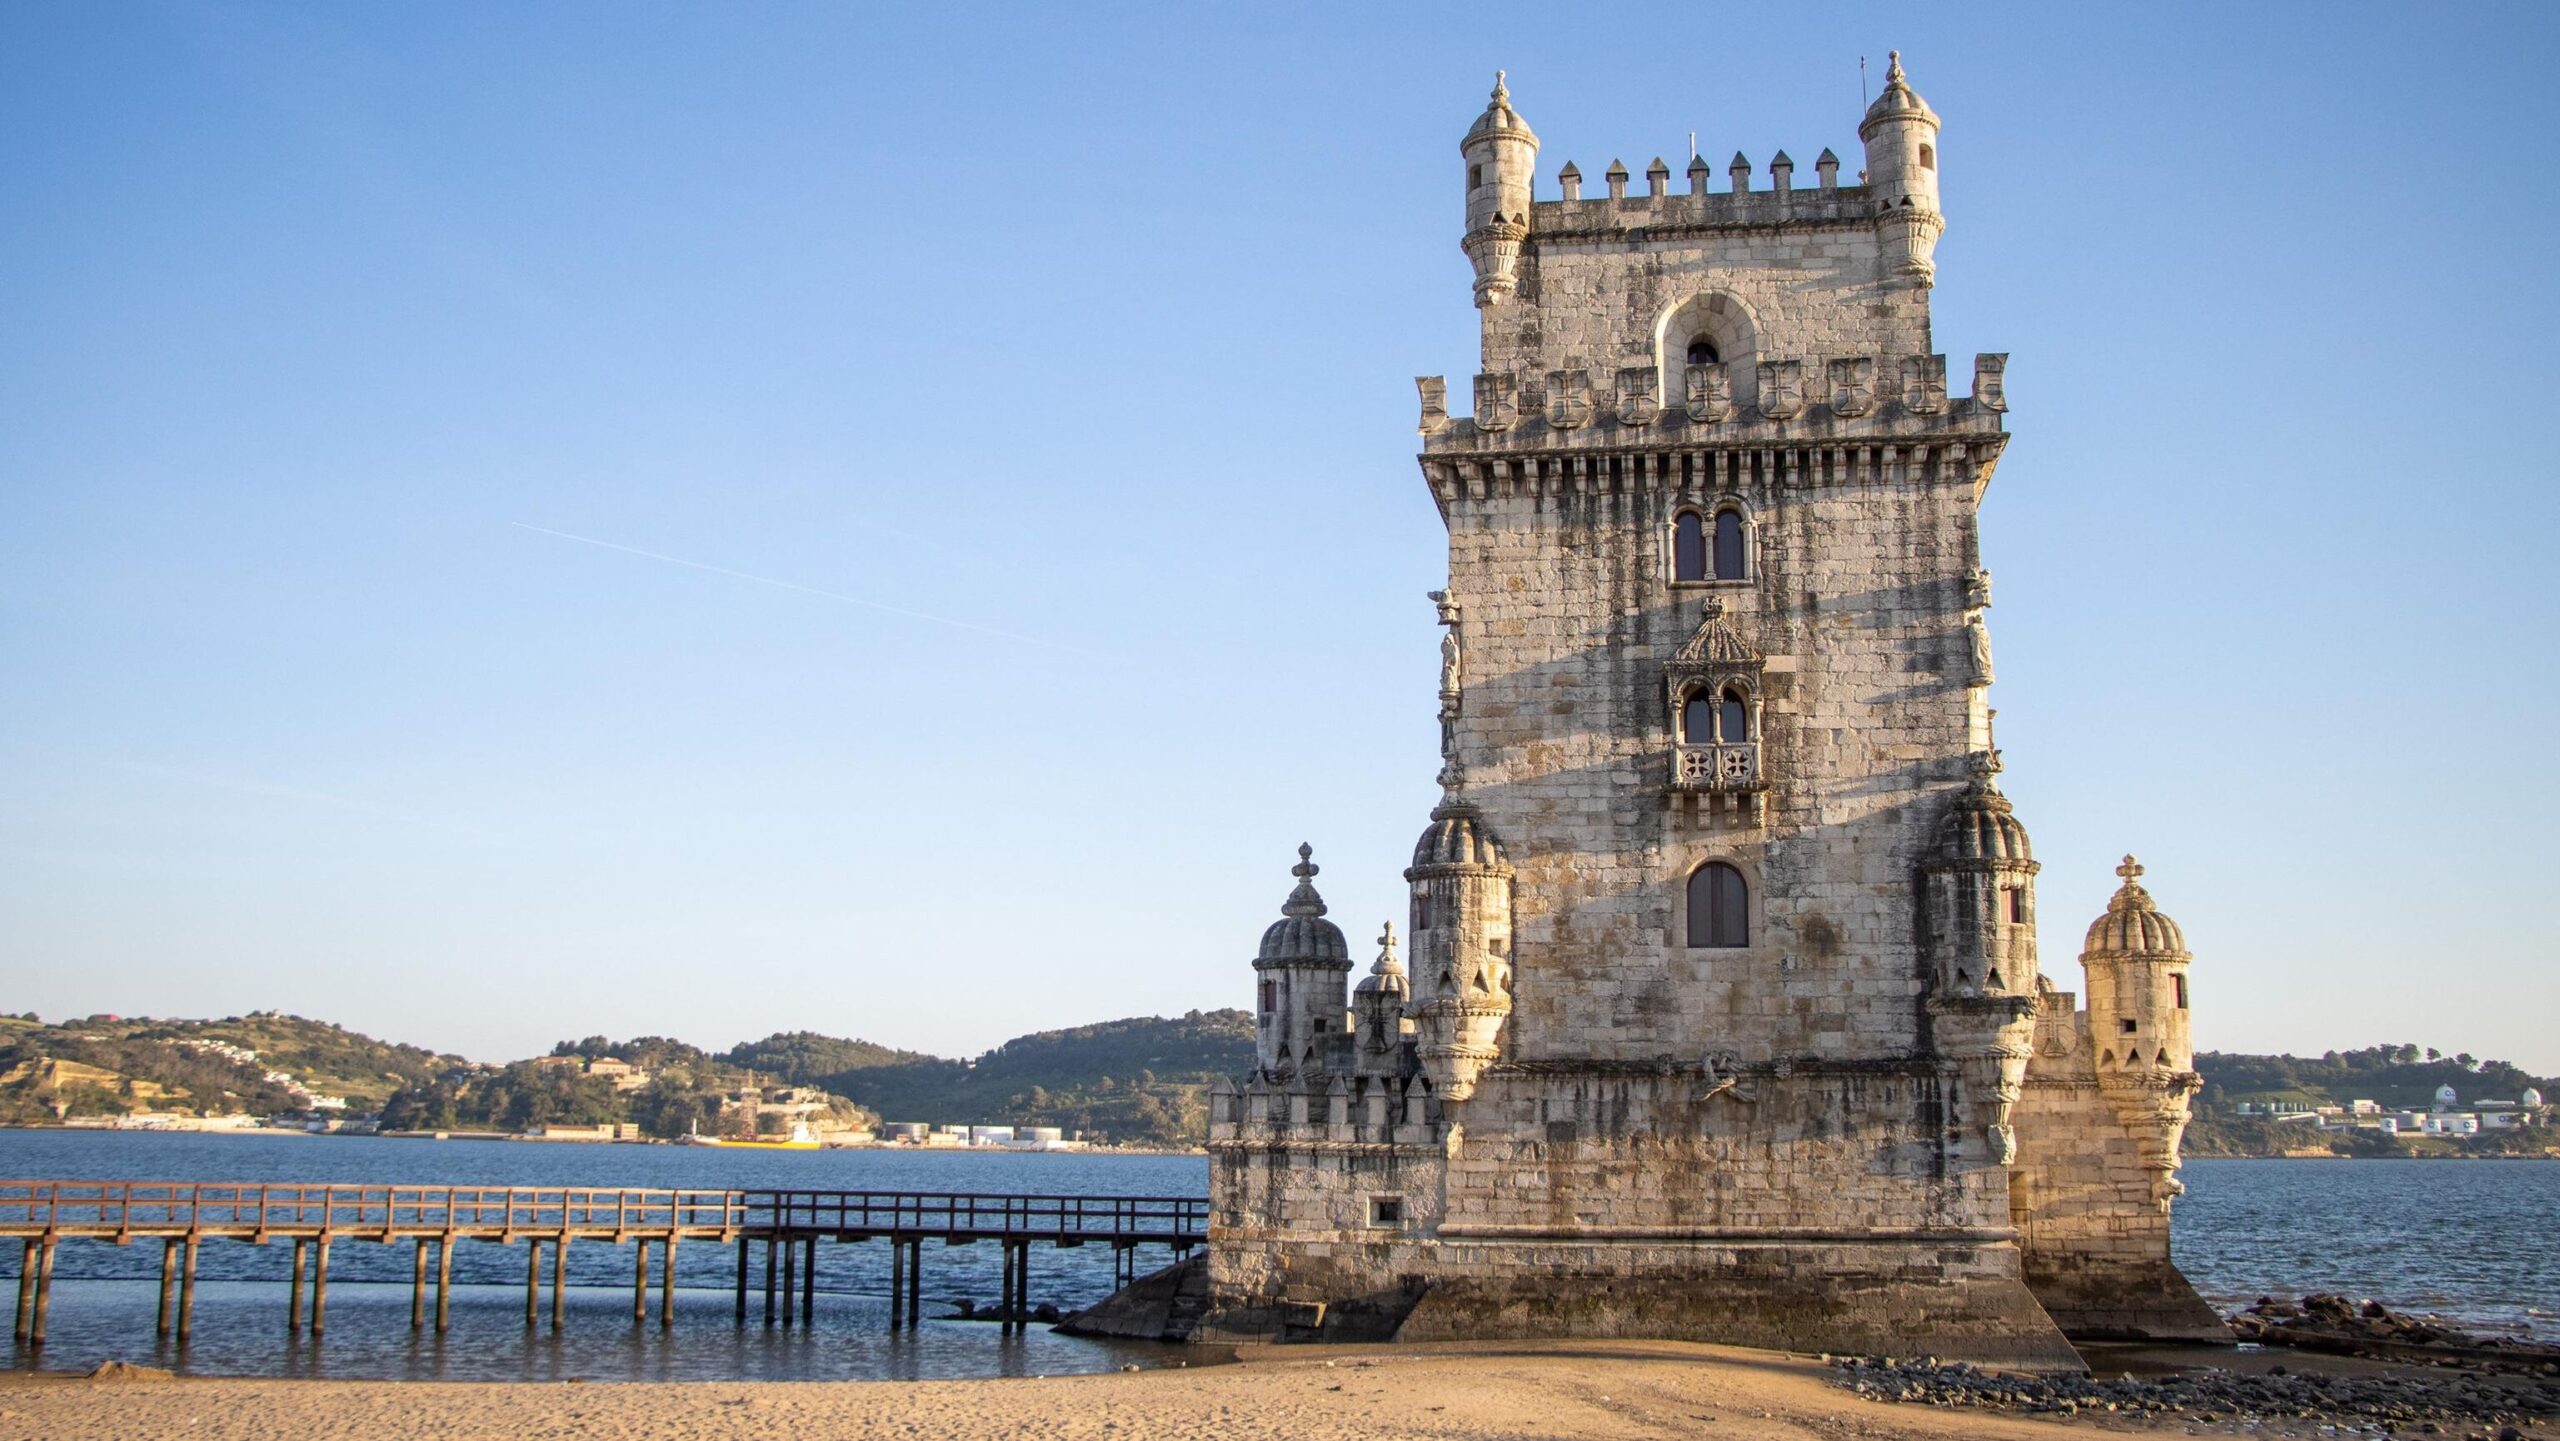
<point>1899,101</point>
<point>1302,933</point>
<point>1498,117</point>
<point>1982,826</point>
<point>1456,837</point>
<point>2133,926</point>
<point>1387,976</point>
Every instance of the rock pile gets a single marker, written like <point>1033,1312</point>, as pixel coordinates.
<point>2414,1403</point>
<point>2338,1325</point>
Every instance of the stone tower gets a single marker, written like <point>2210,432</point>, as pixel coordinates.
<point>1723,994</point>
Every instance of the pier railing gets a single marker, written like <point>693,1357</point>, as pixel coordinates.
<point>125,1209</point>
<point>1070,1219</point>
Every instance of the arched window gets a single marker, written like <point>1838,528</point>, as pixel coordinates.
<point>1688,547</point>
<point>1702,351</point>
<point>1698,719</point>
<point>1733,722</point>
<point>1719,908</point>
<point>1728,545</point>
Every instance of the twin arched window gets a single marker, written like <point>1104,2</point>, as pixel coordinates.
<point>1706,718</point>
<point>1699,553</point>
<point>1719,908</point>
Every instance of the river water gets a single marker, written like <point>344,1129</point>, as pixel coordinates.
<point>2474,1240</point>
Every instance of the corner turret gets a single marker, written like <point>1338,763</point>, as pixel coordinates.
<point>1461,948</point>
<point>1901,136</point>
<point>2137,963</point>
<point>1502,154</point>
<point>1305,969</point>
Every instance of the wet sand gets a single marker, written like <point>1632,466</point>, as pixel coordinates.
<point>1622,1391</point>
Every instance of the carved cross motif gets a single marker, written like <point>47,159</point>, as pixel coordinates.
<point>1709,391</point>
<point>1496,410</point>
<point>1569,399</point>
<point>2131,870</point>
<point>1852,386</point>
<point>1781,388</point>
<point>1637,403</point>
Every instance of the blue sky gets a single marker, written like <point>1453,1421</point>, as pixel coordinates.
<point>1058,362</point>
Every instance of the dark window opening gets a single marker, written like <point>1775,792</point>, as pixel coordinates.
<point>1386,1210</point>
<point>1422,911</point>
<point>1688,547</point>
<point>1928,157</point>
<point>1698,719</point>
<point>1702,351</point>
<point>2127,1024</point>
<point>1719,908</point>
<point>1475,176</point>
<point>2179,984</point>
<point>2017,908</point>
<point>1728,545</point>
<point>1270,997</point>
<point>1733,723</point>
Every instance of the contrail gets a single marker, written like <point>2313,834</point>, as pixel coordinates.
<point>791,585</point>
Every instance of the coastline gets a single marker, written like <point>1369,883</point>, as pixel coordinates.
<point>1601,1390</point>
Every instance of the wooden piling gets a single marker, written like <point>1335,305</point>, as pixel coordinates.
<point>667,1286</point>
<point>742,1280</point>
<point>444,1281</point>
<point>809,1283</point>
<point>559,1279</point>
<point>320,1285</point>
<point>532,1283</point>
<point>187,1293</point>
<point>293,1302</point>
<point>770,1261</point>
<point>790,1279</point>
<point>915,1282</point>
<point>640,1285</point>
<point>44,1295</point>
<point>897,1282</point>
<point>418,1285</point>
<point>168,1284</point>
<point>24,1316</point>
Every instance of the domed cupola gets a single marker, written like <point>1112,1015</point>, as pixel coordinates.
<point>2133,925</point>
<point>1979,884</point>
<point>1301,1012</point>
<point>1386,976</point>
<point>1501,155</point>
<point>1302,933</point>
<point>1898,100</point>
<point>1457,837</point>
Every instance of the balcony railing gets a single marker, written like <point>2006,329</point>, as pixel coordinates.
<point>1723,769</point>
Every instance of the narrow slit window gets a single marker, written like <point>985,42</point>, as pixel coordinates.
<point>1688,547</point>
<point>2179,985</point>
<point>1422,911</point>
<point>1733,721</point>
<point>2017,908</point>
<point>1728,545</point>
<point>1719,908</point>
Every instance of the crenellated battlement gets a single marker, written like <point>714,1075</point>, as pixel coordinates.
<point>1703,206</point>
<point>1832,398</point>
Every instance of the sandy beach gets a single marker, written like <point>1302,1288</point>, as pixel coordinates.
<point>1625,1391</point>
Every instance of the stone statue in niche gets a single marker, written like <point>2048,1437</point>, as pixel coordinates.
<point>1637,403</point>
<point>1452,686</point>
<point>1496,410</point>
<point>1709,392</point>
<point>1853,391</point>
<point>1781,388</point>
<point>1977,599</point>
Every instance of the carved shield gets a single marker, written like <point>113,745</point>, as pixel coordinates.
<point>1710,393</point>
<point>1924,384</point>
<point>1781,388</point>
<point>1853,391</point>
<point>1496,409</point>
<point>1638,403</point>
<point>1569,403</point>
<point>1990,380</point>
<point>1435,403</point>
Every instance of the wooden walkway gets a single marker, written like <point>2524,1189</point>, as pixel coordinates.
<point>183,1215</point>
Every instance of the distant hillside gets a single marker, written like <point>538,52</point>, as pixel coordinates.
<point>1140,1081</point>
<point>2398,1077</point>
<point>109,1065</point>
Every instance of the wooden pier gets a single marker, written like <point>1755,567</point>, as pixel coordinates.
<point>183,1215</point>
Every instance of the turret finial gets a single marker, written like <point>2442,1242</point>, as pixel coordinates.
<point>1387,950</point>
<point>1304,901</point>
<point>1501,87</point>
<point>1893,67</point>
<point>2130,870</point>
